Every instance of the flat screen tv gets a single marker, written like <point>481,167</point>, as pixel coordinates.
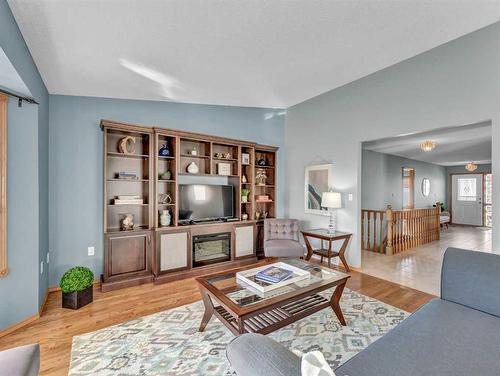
<point>200,202</point>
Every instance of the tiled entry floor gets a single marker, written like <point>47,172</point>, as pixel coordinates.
<point>420,268</point>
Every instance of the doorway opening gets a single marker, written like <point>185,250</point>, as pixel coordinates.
<point>422,193</point>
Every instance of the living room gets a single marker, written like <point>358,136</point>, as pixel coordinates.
<point>265,98</point>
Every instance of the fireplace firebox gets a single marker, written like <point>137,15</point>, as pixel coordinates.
<point>211,248</point>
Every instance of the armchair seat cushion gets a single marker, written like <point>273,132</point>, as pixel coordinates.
<point>283,248</point>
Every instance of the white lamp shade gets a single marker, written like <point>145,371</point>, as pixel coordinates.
<point>331,200</point>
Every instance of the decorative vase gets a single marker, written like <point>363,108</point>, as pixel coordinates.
<point>167,175</point>
<point>244,178</point>
<point>194,152</point>
<point>193,168</point>
<point>244,198</point>
<point>244,216</point>
<point>164,151</point>
<point>165,218</point>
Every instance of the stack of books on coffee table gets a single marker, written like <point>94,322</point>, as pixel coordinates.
<point>270,277</point>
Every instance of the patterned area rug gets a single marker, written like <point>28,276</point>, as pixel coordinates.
<point>168,342</point>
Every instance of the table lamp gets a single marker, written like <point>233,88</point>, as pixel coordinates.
<point>331,201</point>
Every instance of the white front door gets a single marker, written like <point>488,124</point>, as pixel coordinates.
<point>467,199</point>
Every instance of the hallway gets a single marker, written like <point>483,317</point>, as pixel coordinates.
<point>420,268</point>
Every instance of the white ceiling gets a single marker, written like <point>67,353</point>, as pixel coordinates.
<point>455,145</point>
<point>248,53</point>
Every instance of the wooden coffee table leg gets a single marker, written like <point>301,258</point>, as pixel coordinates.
<point>342,254</point>
<point>209,310</point>
<point>309,248</point>
<point>241,325</point>
<point>335,302</point>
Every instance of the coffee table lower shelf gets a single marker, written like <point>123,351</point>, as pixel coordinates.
<point>273,319</point>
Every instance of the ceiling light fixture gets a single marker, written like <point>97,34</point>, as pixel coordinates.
<point>427,145</point>
<point>471,166</point>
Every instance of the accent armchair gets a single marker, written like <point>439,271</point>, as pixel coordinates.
<point>281,238</point>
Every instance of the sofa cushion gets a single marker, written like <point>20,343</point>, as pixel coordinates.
<point>441,338</point>
<point>471,278</point>
<point>283,248</point>
<point>20,361</point>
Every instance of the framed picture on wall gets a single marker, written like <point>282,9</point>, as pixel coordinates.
<point>318,179</point>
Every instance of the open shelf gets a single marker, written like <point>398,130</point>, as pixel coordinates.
<point>128,180</point>
<point>225,159</point>
<point>135,229</point>
<point>194,156</point>
<point>264,167</point>
<point>122,155</point>
<point>123,205</point>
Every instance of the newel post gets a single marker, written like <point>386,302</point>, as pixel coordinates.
<point>390,222</point>
<point>438,220</point>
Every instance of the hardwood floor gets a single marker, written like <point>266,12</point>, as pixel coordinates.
<point>56,327</point>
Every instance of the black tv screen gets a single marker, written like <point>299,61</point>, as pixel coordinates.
<point>200,202</point>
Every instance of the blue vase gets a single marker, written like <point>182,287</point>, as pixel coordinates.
<point>164,151</point>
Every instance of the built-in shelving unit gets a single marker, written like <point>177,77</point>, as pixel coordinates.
<point>264,167</point>
<point>153,251</point>
<point>136,163</point>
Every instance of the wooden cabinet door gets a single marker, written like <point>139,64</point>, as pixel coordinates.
<point>127,255</point>
<point>174,251</point>
<point>244,241</point>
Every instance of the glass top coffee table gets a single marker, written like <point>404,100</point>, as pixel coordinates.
<point>243,309</point>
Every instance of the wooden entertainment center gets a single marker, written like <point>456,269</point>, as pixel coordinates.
<point>137,188</point>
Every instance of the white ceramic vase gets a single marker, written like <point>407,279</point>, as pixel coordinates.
<point>193,168</point>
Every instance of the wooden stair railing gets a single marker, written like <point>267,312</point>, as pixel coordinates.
<point>400,231</point>
<point>373,230</point>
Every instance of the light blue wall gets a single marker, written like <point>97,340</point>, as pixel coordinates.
<point>457,83</point>
<point>76,161</point>
<point>23,290</point>
<point>381,181</point>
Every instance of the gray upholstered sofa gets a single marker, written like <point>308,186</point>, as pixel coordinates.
<point>458,334</point>
<point>20,361</point>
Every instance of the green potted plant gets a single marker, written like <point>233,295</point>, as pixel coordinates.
<point>244,194</point>
<point>76,285</point>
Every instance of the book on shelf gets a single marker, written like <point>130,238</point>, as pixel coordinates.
<point>128,201</point>
<point>128,197</point>
<point>126,176</point>
<point>274,274</point>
